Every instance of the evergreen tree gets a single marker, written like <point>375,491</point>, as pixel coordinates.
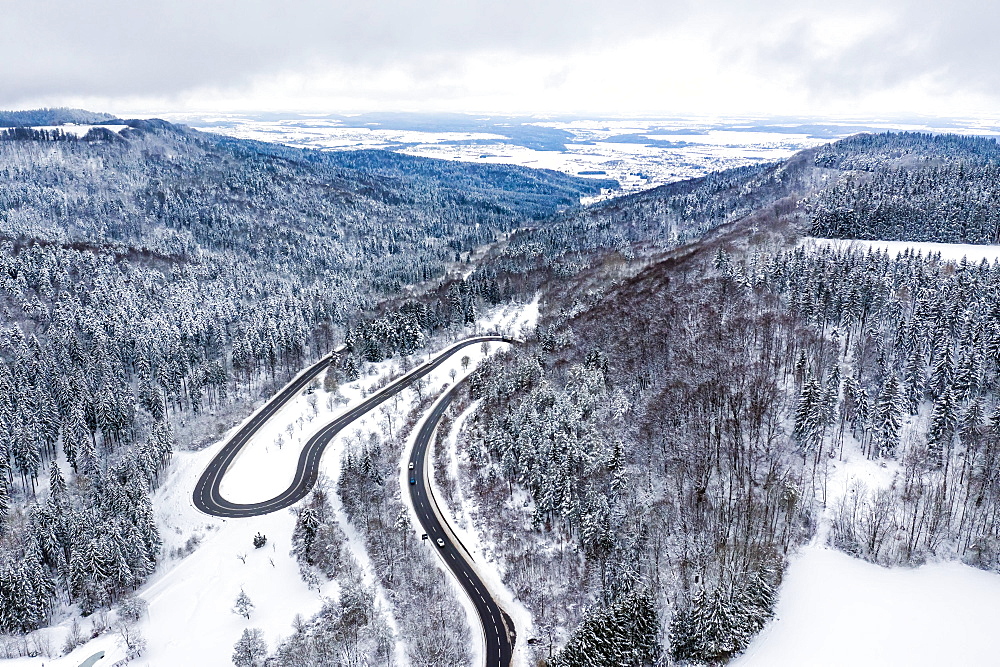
<point>944,424</point>
<point>624,633</point>
<point>888,415</point>
<point>809,420</point>
<point>243,606</point>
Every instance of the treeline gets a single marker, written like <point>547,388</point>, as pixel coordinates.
<point>911,187</point>
<point>55,116</point>
<point>403,330</point>
<point>911,339</point>
<point>954,203</point>
<point>872,152</point>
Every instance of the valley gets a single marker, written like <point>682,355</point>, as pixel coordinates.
<point>654,429</point>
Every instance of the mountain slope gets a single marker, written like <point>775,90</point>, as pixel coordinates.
<point>155,281</point>
<point>678,419</point>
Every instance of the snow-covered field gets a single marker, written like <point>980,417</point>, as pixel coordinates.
<point>207,561</point>
<point>635,166</point>
<point>953,252</point>
<point>638,153</point>
<point>836,610</point>
<point>325,134</point>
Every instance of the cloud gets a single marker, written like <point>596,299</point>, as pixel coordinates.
<point>128,47</point>
<point>915,49</point>
<point>631,55</point>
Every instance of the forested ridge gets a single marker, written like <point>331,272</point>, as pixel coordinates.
<point>57,116</point>
<point>674,420</point>
<point>156,274</point>
<point>911,187</point>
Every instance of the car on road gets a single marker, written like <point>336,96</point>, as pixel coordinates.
<point>411,465</point>
<point>440,542</point>
<point>413,480</point>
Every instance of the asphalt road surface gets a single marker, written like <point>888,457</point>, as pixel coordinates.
<point>498,629</point>
<point>206,494</point>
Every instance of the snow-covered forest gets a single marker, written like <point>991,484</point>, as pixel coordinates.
<point>675,420</point>
<point>159,275</point>
<point>639,469</point>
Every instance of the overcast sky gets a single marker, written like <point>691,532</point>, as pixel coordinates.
<point>508,56</point>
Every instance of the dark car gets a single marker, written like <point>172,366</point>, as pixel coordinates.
<point>413,480</point>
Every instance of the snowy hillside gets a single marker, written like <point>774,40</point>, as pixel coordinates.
<point>834,609</point>
<point>190,618</point>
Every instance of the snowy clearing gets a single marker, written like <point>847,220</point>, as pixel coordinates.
<point>834,609</point>
<point>837,610</point>
<point>950,252</point>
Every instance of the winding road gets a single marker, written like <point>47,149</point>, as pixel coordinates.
<point>207,496</point>
<point>498,629</point>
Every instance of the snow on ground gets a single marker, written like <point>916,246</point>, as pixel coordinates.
<point>512,321</point>
<point>952,252</point>
<point>190,621</point>
<point>266,464</point>
<point>834,609</point>
<point>206,561</point>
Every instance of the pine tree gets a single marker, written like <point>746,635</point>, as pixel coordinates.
<point>304,534</point>
<point>808,415</point>
<point>57,487</point>
<point>942,375</point>
<point>622,634</point>
<point>944,423</point>
<point>914,378</point>
<point>888,415</point>
<point>351,368</point>
<point>243,606</point>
